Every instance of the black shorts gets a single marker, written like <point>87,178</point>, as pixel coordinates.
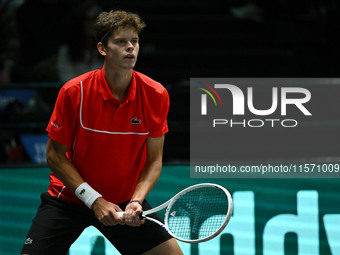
<point>59,223</point>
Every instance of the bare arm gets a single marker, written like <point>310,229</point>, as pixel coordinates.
<point>68,174</point>
<point>148,177</point>
<point>61,166</point>
<point>152,169</point>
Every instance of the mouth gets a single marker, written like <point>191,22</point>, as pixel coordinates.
<point>129,56</point>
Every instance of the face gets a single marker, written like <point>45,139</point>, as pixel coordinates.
<point>122,49</point>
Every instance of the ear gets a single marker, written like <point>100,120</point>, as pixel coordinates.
<point>101,48</point>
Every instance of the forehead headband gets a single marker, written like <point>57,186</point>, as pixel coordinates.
<point>104,36</point>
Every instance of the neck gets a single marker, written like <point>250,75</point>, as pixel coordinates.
<point>118,81</point>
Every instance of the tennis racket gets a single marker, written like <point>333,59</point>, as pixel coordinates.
<point>196,214</point>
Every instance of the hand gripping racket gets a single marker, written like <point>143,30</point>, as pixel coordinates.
<point>196,214</point>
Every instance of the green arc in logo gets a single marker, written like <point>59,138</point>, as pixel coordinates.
<point>206,91</point>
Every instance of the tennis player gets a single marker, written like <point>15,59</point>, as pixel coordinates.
<point>105,146</point>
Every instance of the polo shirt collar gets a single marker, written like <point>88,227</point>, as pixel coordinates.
<point>106,92</point>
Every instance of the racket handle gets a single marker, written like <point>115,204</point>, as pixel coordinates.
<point>141,217</point>
<point>120,214</point>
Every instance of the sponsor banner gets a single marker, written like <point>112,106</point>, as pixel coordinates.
<point>276,217</point>
<point>35,146</point>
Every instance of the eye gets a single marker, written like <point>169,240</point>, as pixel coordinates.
<point>120,42</point>
<point>134,41</point>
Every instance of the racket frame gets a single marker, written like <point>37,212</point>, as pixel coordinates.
<point>170,202</point>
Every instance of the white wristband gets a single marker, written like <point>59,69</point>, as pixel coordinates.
<point>87,194</point>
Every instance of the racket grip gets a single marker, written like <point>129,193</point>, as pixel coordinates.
<point>120,214</point>
<point>141,217</point>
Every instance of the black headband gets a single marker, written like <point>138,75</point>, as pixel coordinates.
<point>104,36</point>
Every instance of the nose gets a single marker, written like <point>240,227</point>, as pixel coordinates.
<point>130,47</point>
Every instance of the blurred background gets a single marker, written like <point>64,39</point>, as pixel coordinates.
<point>44,43</point>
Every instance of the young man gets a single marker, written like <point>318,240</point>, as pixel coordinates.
<point>105,148</point>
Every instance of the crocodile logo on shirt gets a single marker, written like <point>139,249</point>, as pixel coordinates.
<point>29,240</point>
<point>135,121</point>
<point>82,192</point>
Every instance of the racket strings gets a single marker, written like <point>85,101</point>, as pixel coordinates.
<point>198,213</point>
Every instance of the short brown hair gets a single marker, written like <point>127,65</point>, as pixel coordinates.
<point>108,22</point>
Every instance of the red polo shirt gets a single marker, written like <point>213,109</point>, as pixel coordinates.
<point>107,139</point>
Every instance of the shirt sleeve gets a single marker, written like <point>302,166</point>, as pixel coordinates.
<point>62,124</point>
<point>160,108</point>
